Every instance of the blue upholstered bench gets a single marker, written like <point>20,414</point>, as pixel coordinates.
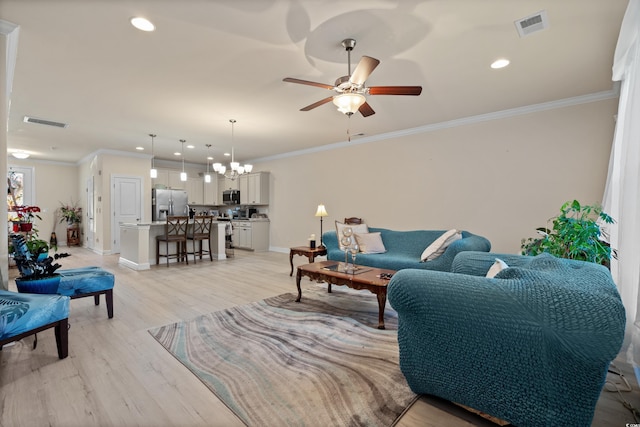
<point>22,315</point>
<point>86,282</point>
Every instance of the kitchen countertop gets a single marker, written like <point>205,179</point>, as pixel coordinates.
<point>141,224</point>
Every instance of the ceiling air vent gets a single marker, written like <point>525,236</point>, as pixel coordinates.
<point>533,23</point>
<point>28,119</point>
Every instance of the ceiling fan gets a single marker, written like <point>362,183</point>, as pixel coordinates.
<point>350,89</point>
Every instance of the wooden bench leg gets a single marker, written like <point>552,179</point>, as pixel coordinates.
<point>62,338</point>
<point>109,298</point>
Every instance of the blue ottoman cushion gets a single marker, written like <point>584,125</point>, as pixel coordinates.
<point>20,313</point>
<point>85,280</point>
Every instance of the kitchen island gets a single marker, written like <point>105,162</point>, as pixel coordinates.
<point>138,243</point>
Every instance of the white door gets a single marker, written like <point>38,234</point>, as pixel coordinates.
<point>126,200</point>
<point>90,215</point>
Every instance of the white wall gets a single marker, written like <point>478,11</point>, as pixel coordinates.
<point>500,179</point>
<point>55,183</point>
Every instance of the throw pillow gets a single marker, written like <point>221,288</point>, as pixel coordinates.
<point>437,248</point>
<point>370,243</point>
<point>357,228</point>
<point>496,268</point>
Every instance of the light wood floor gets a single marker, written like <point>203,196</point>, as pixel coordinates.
<point>118,375</point>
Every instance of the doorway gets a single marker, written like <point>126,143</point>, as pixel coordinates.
<point>91,230</point>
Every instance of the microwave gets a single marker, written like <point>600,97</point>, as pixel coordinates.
<point>231,197</point>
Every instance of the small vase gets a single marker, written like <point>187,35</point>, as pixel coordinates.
<point>46,285</point>
<point>26,226</point>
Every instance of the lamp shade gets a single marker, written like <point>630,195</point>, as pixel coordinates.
<point>321,211</point>
<point>348,103</point>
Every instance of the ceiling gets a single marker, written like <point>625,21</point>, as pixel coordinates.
<point>82,63</point>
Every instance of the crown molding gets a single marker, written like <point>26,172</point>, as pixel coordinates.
<point>465,121</point>
<point>11,31</point>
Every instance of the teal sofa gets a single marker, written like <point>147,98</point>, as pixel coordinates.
<point>530,346</point>
<point>405,247</point>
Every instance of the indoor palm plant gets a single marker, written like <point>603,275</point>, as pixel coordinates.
<point>575,233</point>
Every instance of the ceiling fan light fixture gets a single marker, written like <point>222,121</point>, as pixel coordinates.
<point>349,103</point>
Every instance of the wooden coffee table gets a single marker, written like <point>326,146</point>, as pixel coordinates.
<point>364,278</point>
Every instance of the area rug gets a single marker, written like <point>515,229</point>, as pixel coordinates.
<point>319,362</point>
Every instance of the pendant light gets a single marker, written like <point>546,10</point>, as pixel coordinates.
<point>183,174</point>
<point>207,177</point>
<point>154,171</point>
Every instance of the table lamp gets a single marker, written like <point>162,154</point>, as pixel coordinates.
<point>321,212</point>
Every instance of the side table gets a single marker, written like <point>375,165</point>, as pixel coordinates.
<point>310,253</point>
<point>73,236</point>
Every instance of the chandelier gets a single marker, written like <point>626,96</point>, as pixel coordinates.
<point>235,169</point>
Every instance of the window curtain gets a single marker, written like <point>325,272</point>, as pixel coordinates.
<point>622,192</point>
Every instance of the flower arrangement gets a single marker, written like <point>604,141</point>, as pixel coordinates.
<point>27,213</point>
<point>72,214</point>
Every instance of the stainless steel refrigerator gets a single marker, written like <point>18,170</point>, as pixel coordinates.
<point>168,202</point>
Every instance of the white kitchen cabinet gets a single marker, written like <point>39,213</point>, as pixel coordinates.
<point>174,181</point>
<point>254,189</point>
<point>251,235</point>
<point>195,190</point>
<point>211,191</point>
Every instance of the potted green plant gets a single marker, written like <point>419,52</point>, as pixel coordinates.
<point>37,274</point>
<point>575,234</point>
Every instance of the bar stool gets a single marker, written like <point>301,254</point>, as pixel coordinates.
<point>175,231</point>
<point>201,230</point>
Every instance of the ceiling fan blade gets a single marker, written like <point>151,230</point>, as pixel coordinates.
<point>306,82</point>
<point>317,104</point>
<point>395,90</point>
<point>366,110</point>
<point>364,68</point>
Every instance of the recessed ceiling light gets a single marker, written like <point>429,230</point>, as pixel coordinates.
<point>500,63</point>
<point>142,24</point>
<point>177,153</point>
<point>227,154</point>
<point>20,154</point>
<point>139,148</point>
<point>190,146</point>
<point>209,158</point>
